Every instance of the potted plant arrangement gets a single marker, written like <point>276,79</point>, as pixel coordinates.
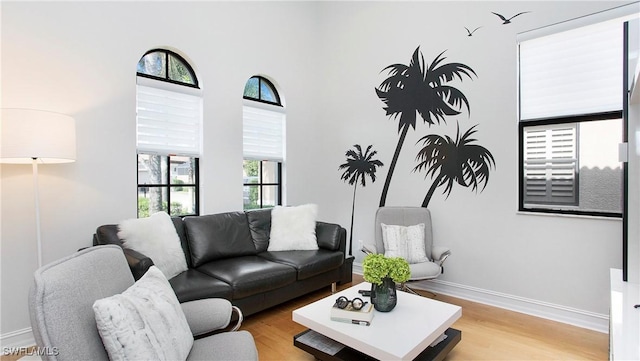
<point>383,273</point>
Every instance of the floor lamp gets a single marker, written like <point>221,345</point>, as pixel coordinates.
<point>32,137</point>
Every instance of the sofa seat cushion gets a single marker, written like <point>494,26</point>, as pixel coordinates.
<point>194,285</point>
<point>307,263</point>
<point>249,275</point>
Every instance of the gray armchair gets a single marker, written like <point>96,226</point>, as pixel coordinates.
<point>410,216</point>
<point>63,321</point>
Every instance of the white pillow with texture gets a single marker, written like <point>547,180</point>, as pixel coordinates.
<point>404,241</point>
<point>293,228</point>
<point>156,238</point>
<point>145,322</point>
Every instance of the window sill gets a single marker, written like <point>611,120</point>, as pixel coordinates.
<point>565,215</point>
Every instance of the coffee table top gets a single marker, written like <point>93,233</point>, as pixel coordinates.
<point>401,334</point>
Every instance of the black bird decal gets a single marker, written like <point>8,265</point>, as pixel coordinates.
<point>508,21</point>
<point>470,33</point>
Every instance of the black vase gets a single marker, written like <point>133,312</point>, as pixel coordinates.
<point>384,296</point>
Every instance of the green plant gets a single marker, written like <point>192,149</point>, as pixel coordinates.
<point>377,266</point>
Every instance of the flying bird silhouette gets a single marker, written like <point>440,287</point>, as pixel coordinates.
<point>470,33</point>
<point>508,21</point>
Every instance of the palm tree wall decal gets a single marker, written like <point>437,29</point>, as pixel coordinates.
<point>448,161</point>
<point>417,89</point>
<point>357,167</point>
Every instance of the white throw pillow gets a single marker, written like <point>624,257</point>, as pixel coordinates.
<point>145,322</point>
<point>156,238</point>
<point>404,241</point>
<point>293,228</point>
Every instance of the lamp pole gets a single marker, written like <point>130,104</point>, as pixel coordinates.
<point>36,197</point>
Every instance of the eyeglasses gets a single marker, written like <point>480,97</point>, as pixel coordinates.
<point>357,303</point>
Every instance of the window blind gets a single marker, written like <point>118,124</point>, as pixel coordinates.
<point>573,72</point>
<point>550,164</point>
<point>168,122</point>
<point>263,134</point>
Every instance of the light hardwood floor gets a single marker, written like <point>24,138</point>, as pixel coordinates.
<point>488,333</point>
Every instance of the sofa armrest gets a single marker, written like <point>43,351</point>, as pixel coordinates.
<point>138,262</point>
<point>331,236</point>
<point>210,314</point>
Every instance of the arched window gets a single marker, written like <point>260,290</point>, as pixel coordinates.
<point>263,144</point>
<point>168,134</point>
<point>261,89</point>
<point>168,66</point>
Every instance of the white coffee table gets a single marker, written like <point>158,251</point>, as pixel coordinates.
<point>405,333</point>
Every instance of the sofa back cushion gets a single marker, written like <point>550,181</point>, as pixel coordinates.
<point>218,236</point>
<point>177,222</point>
<point>260,226</point>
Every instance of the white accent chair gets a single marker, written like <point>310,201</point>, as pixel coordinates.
<point>63,320</point>
<point>410,216</point>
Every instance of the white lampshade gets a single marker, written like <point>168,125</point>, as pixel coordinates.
<point>35,134</point>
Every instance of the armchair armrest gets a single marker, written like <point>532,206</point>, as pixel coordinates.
<point>440,254</point>
<point>210,314</point>
<point>368,248</point>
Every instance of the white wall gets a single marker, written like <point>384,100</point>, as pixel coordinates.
<point>558,260</point>
<point>326,57</point>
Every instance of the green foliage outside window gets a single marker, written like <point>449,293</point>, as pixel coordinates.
<point>177,181</point>
<point>143,208</point>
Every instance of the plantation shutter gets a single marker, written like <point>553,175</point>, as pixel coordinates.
<point>263,134</point>
<point>551,164</point>
<point>168,122</point>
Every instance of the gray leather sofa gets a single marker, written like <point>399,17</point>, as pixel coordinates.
<point>227,258</point>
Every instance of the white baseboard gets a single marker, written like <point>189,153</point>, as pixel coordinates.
<point>573,316</point>
<point>16,339</point>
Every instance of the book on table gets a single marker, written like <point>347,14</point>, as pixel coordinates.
<point>348,314</point>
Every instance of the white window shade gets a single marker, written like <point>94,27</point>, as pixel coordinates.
<point>573,72</point>
<point>263,134</point>
<point>168,122</point>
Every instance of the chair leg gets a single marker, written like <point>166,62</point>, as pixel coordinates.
<point>408,289</point>
<point>333,288</point>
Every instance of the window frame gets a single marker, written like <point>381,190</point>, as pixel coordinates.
<point>559,209</point>
<point>162,83</point>
<point>602,109</point>
<point>261,184</point>
<point>279,160</point>
<point>168,185</point>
